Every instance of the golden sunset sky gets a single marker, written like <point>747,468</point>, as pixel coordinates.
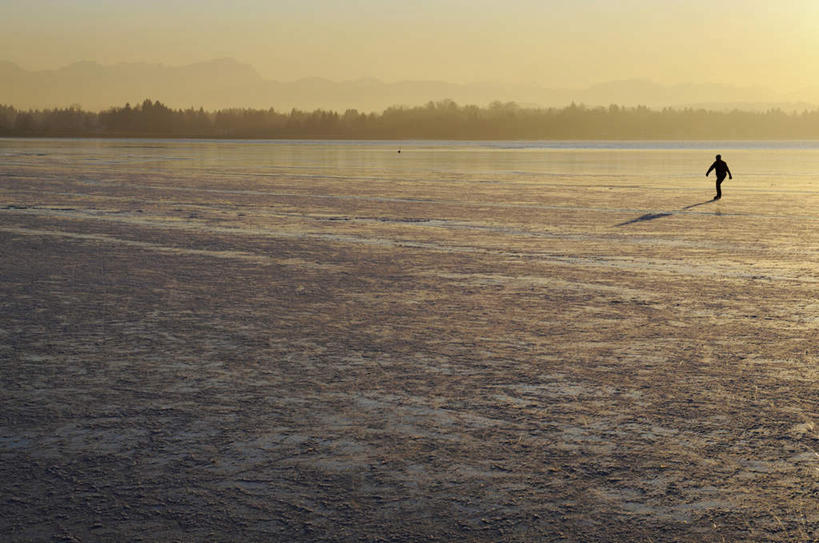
<point>553,43</point>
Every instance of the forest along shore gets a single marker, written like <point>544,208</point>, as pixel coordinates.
<point>443,120</point>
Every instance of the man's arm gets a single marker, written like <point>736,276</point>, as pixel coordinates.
<point>711,168</point>
<point>727,169</point>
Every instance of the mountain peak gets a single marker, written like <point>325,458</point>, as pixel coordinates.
<point>224,62</point>
<point>226,82</point>
<point>9,66</point>
<point>83,65</point>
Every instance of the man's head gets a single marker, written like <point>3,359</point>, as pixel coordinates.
<point>719,157</point>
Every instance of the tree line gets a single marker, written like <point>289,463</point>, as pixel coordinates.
<point>435,120</point>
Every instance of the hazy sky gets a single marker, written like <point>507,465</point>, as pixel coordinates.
<point>550,42</point>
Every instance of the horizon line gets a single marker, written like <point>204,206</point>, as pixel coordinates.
<point>233,60</point>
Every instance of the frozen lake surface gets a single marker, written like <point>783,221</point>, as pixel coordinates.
<point>311,340</point>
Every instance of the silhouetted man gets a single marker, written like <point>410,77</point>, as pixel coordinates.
<point>720,168</point>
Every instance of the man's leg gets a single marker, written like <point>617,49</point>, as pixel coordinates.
<point>719,190</point>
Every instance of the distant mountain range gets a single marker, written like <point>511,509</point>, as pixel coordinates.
<point>227,83</point>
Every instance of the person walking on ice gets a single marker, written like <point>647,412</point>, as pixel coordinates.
<point>720,168</point>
